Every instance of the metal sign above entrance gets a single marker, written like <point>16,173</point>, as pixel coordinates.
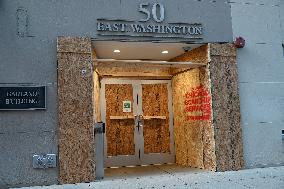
<point>144,28</point>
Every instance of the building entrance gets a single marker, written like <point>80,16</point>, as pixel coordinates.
<point>131,92</point>
<point>139,122</point>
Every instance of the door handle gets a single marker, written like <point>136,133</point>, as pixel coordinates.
<point>138,119</point>
<point>140,123</point>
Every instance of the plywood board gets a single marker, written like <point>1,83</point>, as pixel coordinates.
<point>209,157</point>
<point>156,131</point>
<point>193,129</point>
<point>154,117</point>
<point>121,117</point>
<point>189,148</point>
<point>140,68</point>
<point>119,132</point>
<point>136,63</point>
<point>139,71</point>
<point>198,56</point>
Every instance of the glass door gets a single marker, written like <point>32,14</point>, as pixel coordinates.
<point>157,130</point>
<point>138,117</point>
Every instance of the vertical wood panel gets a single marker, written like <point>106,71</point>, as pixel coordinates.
<point>156,131</point>
<point>120,133</point>
<point>188,134</point>
<point>193,130</point>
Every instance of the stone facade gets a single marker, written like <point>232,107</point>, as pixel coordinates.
<point>75,109</point>
<point>226,107</point>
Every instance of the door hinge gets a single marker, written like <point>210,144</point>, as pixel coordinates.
<point>139,153</point>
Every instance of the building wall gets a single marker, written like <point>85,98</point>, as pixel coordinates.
<point>226,107</point>
<point>28,33</point>
<point>261,79</point>
<point>281,3</point>
<point>28,56</point>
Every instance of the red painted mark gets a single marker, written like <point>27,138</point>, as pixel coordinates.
<point>198,102</point>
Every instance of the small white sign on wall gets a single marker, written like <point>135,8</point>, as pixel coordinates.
<point>126,106</point>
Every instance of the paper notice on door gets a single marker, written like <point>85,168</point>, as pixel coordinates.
<point>126,106</point>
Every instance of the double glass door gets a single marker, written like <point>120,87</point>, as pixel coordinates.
<point>139,124</point>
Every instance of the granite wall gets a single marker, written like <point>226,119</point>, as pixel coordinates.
<point>226,107</point>
<point>75,110</point>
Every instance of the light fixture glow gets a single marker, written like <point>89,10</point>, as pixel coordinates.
<point>116,51</point>
<point>165,52</point>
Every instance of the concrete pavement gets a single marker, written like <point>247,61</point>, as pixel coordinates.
<point>160,177</point>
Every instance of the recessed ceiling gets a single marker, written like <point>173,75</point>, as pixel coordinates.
<point>140,50</point>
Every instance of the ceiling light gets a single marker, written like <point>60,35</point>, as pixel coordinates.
<point>116,51</point>
<point>165,52</point>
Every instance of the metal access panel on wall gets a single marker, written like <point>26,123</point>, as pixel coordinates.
<point>23,98</point>
<point>139,122</point>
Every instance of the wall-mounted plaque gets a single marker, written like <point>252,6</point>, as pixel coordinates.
<point>22,98</point>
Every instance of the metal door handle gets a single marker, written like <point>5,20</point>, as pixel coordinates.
<point>138,119</point>
<point>140,124</point>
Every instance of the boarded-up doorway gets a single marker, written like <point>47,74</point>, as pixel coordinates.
<point>215,144</point>
<point>139,122</point>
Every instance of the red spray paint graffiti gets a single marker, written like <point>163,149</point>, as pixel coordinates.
<point>198,104</point>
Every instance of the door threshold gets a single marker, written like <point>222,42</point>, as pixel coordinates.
<point>148,171</point>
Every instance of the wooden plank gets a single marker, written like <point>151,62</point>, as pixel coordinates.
<point>130,71</point>
<point>198,55</point>
<point>194,136</point>
<point>188,143</point>
<point>171,64</point>
<point>154,117</point>
<point>141,68</point>
<point>194,139</point>
<point>121,117</point>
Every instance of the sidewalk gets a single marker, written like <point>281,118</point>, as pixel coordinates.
<point>260,178</point>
